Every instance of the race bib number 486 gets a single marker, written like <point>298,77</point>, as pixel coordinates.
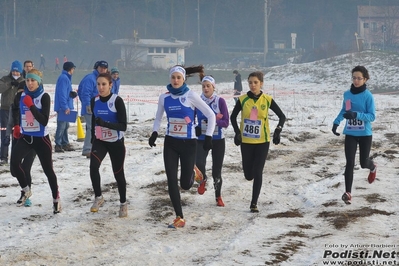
<point>252,128</point>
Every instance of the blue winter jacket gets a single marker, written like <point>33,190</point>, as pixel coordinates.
<point>363,104</point>
<point>87,89</point>
<point>115,86</point>
<point>62,100</point>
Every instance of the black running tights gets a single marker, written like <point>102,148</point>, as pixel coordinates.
<point>173,151</point>
<point>253,161</point>
<point>350,153</point>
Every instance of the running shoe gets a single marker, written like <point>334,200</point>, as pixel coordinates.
<point>202,187</point>
<point>28,203</point>
<point>177,223</point>
<point>254,208</point>
<point>123,210</point>
<point>219,202</point>
<point>98,202</point>
<point>347,198</point>
<point>198,177</point>
<point>372,174</point>
<point>56,206</point>
<point>20,198</point>
<point>24,197</point>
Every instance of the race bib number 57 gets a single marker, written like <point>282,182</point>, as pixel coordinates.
<point>177,127</point>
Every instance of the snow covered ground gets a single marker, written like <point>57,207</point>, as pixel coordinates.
<point>302,220</point>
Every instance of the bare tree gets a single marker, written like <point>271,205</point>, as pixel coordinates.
<point>390,29</point>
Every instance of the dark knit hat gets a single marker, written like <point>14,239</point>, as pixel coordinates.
<point>68,66</point>
<point>114,70</point>
<point>101,63</point>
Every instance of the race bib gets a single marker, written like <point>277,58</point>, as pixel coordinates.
<point>177,127</point>
<point>252,128</point>
<point>204,127</point>
<point>29,123</point>
<point>106,134</point>
<point>354,125</point>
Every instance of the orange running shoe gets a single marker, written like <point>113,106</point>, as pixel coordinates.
<point>202,187</point>
<point>198,177</point>
<point>219,202</point>
<point>177,223</point>
<point>372,175</point>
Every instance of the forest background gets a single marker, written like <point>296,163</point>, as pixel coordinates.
<point>84,30</point>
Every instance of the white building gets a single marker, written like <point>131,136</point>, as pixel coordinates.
<point>157,53</point>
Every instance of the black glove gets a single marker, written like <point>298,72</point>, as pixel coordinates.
<point>15,83</point>
<point>237,139</point>
<point>73,94</point>
<point>207,143</point>
<point>334,130</point>
<point>198,131</point>
<point>6,141</point>
<point>152,139</point>
<point>21,85</point>
<point>100,122</point>
<point>276,136</point>
<point>350,115</point>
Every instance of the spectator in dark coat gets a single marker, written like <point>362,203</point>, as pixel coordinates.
<point>237,84</point>
<point>8,88</point>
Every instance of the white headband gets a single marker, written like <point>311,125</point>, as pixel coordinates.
<point>178,69</point>
<point>210,79</point>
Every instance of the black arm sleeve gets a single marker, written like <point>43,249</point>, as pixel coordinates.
<point>15,109</point>
<point>233,117</point>
<point>93,120</point>
<point>42,116</point>
<point>121,125</point>
<point>276,109</point>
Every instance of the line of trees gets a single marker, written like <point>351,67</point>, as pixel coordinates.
<point>221,23</point>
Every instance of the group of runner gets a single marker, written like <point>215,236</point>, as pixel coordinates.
<point>196,125</point>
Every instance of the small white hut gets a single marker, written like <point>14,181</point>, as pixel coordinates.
<point>157,53</point>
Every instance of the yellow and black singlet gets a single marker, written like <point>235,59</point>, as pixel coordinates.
<point>254,119</point>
